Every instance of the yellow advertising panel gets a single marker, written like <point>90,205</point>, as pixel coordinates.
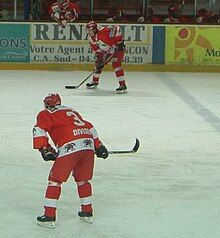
<point>194,45</point>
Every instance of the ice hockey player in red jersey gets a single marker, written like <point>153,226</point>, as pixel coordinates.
<point>108,45</point>
<point>76,143</point>
<point>175,15</point>
<point>64,11</point>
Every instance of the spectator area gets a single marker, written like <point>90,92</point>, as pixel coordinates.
<point>100,10</point>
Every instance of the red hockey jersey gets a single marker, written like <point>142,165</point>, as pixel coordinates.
<point>67,129</point>
<point>64,13</point>
<point>71,7</point>
<point>106,39</point>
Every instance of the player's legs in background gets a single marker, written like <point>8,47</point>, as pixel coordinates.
<point>119,72</point>
<point>95,80</point>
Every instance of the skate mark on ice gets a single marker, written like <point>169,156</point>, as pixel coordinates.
<point>111,92</point>
<point>200,109</point>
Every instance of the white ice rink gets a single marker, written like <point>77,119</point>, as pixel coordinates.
<point>169,189</point>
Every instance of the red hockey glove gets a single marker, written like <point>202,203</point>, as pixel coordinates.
<point>48,153</point>
<point>101,152</point>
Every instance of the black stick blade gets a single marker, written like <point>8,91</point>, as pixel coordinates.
<point>133,150</point>
<point>70,87</point>
<point>136,146</point>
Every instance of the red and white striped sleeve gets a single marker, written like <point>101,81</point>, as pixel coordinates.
<point>116,33</point>
<point>43,125</point>
<point>94,45</point>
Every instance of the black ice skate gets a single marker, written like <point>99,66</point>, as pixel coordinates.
<point>121,89</point>
<point>92,85</point>
<point>86,216</point>
<point>46,221</point>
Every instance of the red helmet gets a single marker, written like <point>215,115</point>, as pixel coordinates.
<point>91,27</point>
<point>52,100</point>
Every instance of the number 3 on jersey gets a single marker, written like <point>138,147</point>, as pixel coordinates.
<point>76,120</point>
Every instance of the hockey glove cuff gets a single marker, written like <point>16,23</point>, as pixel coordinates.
<point>101,152</point>
<point>48,153</point>
<point>121,46</point>
<point>99,60</point>
<point>99,67</point>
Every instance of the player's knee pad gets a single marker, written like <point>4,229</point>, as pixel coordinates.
<point>80,183</point>
<point>53,183</point>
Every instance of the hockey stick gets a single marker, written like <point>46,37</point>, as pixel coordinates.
<point>133,150</point>
<point>74,87</point>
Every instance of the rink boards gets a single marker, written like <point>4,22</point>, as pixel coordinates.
<point>46,46</point>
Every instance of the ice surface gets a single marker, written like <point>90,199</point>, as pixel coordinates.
<point>169,189</point>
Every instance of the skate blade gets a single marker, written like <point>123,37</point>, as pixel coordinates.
<point>122,91</point>
<point>87,219</point>
<point>93,87</point>
<point>50,224</point>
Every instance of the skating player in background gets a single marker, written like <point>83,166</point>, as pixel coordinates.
<point>64,11</point>
<point>77,141</point>
<point>107,43</point>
